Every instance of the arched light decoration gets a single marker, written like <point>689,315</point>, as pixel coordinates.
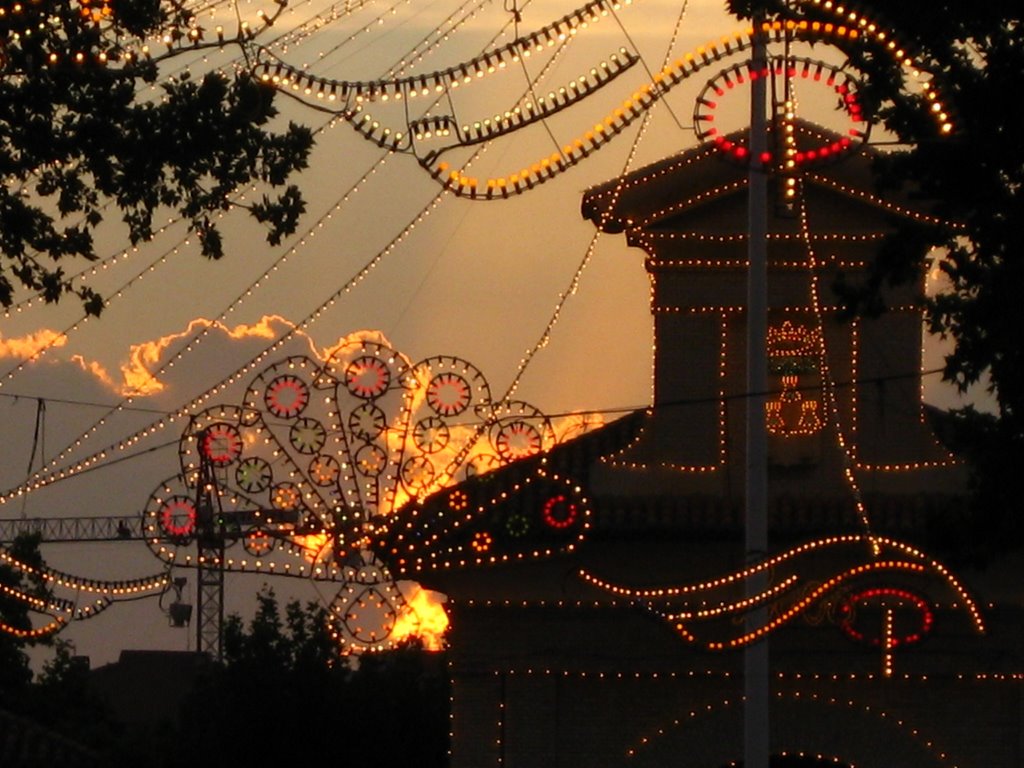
<point>798,687</point>
<point>311,468</point>
<point>319,90</point>
<point>641,100</point>
<point>70,598</point>
<point>841,702</point>
<point>350,101</point>
<point>709,613</point>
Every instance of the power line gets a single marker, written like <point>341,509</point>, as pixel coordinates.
<point>80,403</point>
<point>556,414</point>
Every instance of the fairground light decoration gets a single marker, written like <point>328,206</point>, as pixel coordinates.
<point>350,468</point>
<point>297,480</point>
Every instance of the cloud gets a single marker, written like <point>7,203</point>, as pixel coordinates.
<point>139,371</point>
<point>150,367</point>
<point>30,345</point>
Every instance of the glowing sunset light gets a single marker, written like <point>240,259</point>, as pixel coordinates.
<point>423,616</point>
<point>315,547</point>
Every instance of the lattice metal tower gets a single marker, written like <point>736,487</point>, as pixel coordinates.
<point>210,534</point>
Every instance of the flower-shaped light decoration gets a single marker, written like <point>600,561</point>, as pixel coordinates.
<point>305,477</point>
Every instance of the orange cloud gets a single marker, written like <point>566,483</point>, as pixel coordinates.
<point>97,370</point>
<point>27,347</point>
<point>143,359</point>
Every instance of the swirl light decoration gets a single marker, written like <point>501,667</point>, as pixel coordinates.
<point>807,576</point>
<point>432,136</point>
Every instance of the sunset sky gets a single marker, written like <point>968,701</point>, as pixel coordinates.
<point>484,281</point>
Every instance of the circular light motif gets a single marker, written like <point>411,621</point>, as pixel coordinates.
<point>482,541</point>
<point>307,436</point>
<point>905,628</point>
<point>559,513</point>
<point>448,394</point>
<point>324,470</point>
<point>417,473</point>
<point>371,460</point>
<point>367,421</point>
<point>257,543</point>
<point>517,440</point>
<point>177,517</point>
<point>517,525</point>
<point>431,434</point>
<point>286,396</point>
<point>726,82</point>
<point>367,377</point>
<point>253,475</point>
<point>221,443</point>
<point>286,496</point>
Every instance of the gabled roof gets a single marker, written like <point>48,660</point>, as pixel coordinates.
<point>679,191</point>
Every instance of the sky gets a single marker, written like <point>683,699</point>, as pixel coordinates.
<point>519,287</point>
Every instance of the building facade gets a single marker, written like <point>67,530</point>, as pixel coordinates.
<point>597,591</point>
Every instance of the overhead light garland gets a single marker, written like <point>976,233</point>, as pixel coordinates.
<point>349,97</point>
<point>348,92</point>
<point>85,599</point>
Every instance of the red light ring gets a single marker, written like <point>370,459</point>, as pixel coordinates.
<point>367,377</point>
<point>903,596</point>
<point>448,394</point>
<point>174,509</point>
<point>727,80</point>
<point>559,513</point>
<point>221,443</point>
<point>287,396</point>
<point>517,439</point>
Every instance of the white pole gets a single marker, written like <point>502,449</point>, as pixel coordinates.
<point>756,747</point>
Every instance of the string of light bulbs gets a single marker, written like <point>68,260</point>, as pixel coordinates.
<point>577,275</point>
<point>207,329</point>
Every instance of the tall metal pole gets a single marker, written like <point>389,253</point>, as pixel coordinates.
<point>756,747</point>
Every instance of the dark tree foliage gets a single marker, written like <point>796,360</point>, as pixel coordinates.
<point>58,705</point>
<point>795,761</point>
<point>285,696</point>
<point>62,702</point>
<point>974,177</point>
<point>82,136</point>
<point>15,673</point>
